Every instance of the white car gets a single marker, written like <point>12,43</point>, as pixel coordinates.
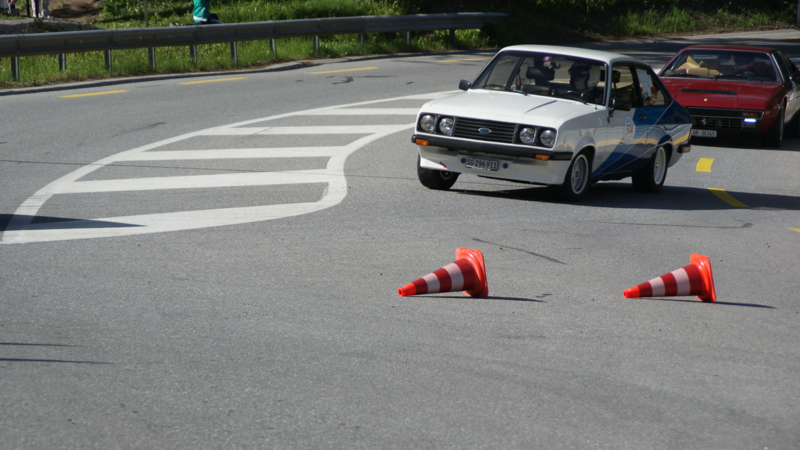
<point>552,115</point>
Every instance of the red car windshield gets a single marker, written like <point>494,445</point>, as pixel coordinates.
<point>727,64</point>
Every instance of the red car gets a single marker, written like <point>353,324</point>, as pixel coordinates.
<point>734,90</point>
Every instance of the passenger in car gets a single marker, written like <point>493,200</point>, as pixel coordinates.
<point>584,79</point>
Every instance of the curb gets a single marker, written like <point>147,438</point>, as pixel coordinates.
<point>293,65</point>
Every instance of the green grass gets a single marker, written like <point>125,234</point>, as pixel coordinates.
<point>530,21</point>
<point>43,70</point>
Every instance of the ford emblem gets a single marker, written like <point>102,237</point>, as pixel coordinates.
<point>484,130</point>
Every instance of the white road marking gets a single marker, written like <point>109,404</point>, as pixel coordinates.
<point>21,228</point>
<point>338,129</point>
<point>197,181</point>
<point>364,112</point>
<point>238,153</point>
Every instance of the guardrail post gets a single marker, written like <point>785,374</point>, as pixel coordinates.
<point>408,38</point>
<point>193,53</point>
<point>361,38</point>
<point>798,12</point>
<point>316,44</point>
<point>62,62</point>
<point>452,37</point>
<point>151,55</point>
<point>15,67</point>
<point>273,48</point>
<point>234,53</point>
<point>107,58</point>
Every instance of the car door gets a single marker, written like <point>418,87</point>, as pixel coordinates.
<point>625,140</point>
<point>791,76</point>
<point>654,103</point>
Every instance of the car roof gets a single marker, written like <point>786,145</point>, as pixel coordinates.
<point>744,48</point>
<point>599,55</point>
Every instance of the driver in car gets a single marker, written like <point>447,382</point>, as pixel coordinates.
<point>743,63</point>
<point>584,78</point>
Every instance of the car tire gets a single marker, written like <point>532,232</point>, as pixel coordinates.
<point>576,181</point>
<point>652,177</point>
<point>435,179</point>
<point>774,137</point>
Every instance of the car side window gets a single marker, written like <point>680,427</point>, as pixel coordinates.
<point>651,91</point>
<point>787,69</point>
<point>624,86</point>
<point>784,69</point>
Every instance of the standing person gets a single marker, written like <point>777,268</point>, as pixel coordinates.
<point>40,8</point>
<point>202,14</point>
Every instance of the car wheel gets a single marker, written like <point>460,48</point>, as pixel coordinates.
<point>651,178</point>
<point>435,179</point>
<point>576,182</point>
<point>774,137</point>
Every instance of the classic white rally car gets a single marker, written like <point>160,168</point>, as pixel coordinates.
<point>558,116</point>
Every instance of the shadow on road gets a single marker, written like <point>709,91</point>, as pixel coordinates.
<point>464,297</point>
<point>749,305</point>
<point>672,198</point>
<point>58,223</point>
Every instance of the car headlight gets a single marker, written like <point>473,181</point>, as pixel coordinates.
<point>446,125</point>
<point>527,135</point>
<point>547,138</point>
<point>427,123</point>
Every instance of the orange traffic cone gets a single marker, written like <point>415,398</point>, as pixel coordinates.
<point>467,273</point>
<point>694,279</point>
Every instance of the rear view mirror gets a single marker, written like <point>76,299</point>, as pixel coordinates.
<point>464,85</point>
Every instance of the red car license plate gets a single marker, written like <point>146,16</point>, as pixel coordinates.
<point>704,133</point>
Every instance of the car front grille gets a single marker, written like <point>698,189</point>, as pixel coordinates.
<point>716,122</point>
<point>498,131</point>
<point>708,118</point>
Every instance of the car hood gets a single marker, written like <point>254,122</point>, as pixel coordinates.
<point>510,107</point>
<point>721,94</point>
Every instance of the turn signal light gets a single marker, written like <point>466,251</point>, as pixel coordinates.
<point>422,142</point>
<point>542,157</point>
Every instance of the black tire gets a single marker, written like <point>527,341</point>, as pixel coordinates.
<point>435,179</point>
<point>576,181</point>
<point>652,177</point>
<point>774,137</point>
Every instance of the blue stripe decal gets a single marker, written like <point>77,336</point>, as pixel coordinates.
<point>624,154</point>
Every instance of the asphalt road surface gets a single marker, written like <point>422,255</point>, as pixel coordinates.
<point>213,262</point>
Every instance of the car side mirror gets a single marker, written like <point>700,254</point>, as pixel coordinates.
<point>620,104</point>
<point>464,85</point>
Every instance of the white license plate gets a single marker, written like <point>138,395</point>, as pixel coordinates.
<point>480,164</point>
<point>704,133</point>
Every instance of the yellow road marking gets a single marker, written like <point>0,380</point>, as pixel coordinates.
<point>795,229</point>
<point>89,95</point>
<point>704,165</point>
<point>214,81</point>
<point>727,198</point>
<point>764,40</point>
<point>465,59</point>
<point>344,70</point>
<point>620,50</point>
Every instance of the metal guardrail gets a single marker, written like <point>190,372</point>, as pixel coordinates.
<point>60,43</point>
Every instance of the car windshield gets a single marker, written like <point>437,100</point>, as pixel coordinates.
<point>546,74</point>
<point>722,64</point>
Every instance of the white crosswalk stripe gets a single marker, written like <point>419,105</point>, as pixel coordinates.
<point>22,227</point>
